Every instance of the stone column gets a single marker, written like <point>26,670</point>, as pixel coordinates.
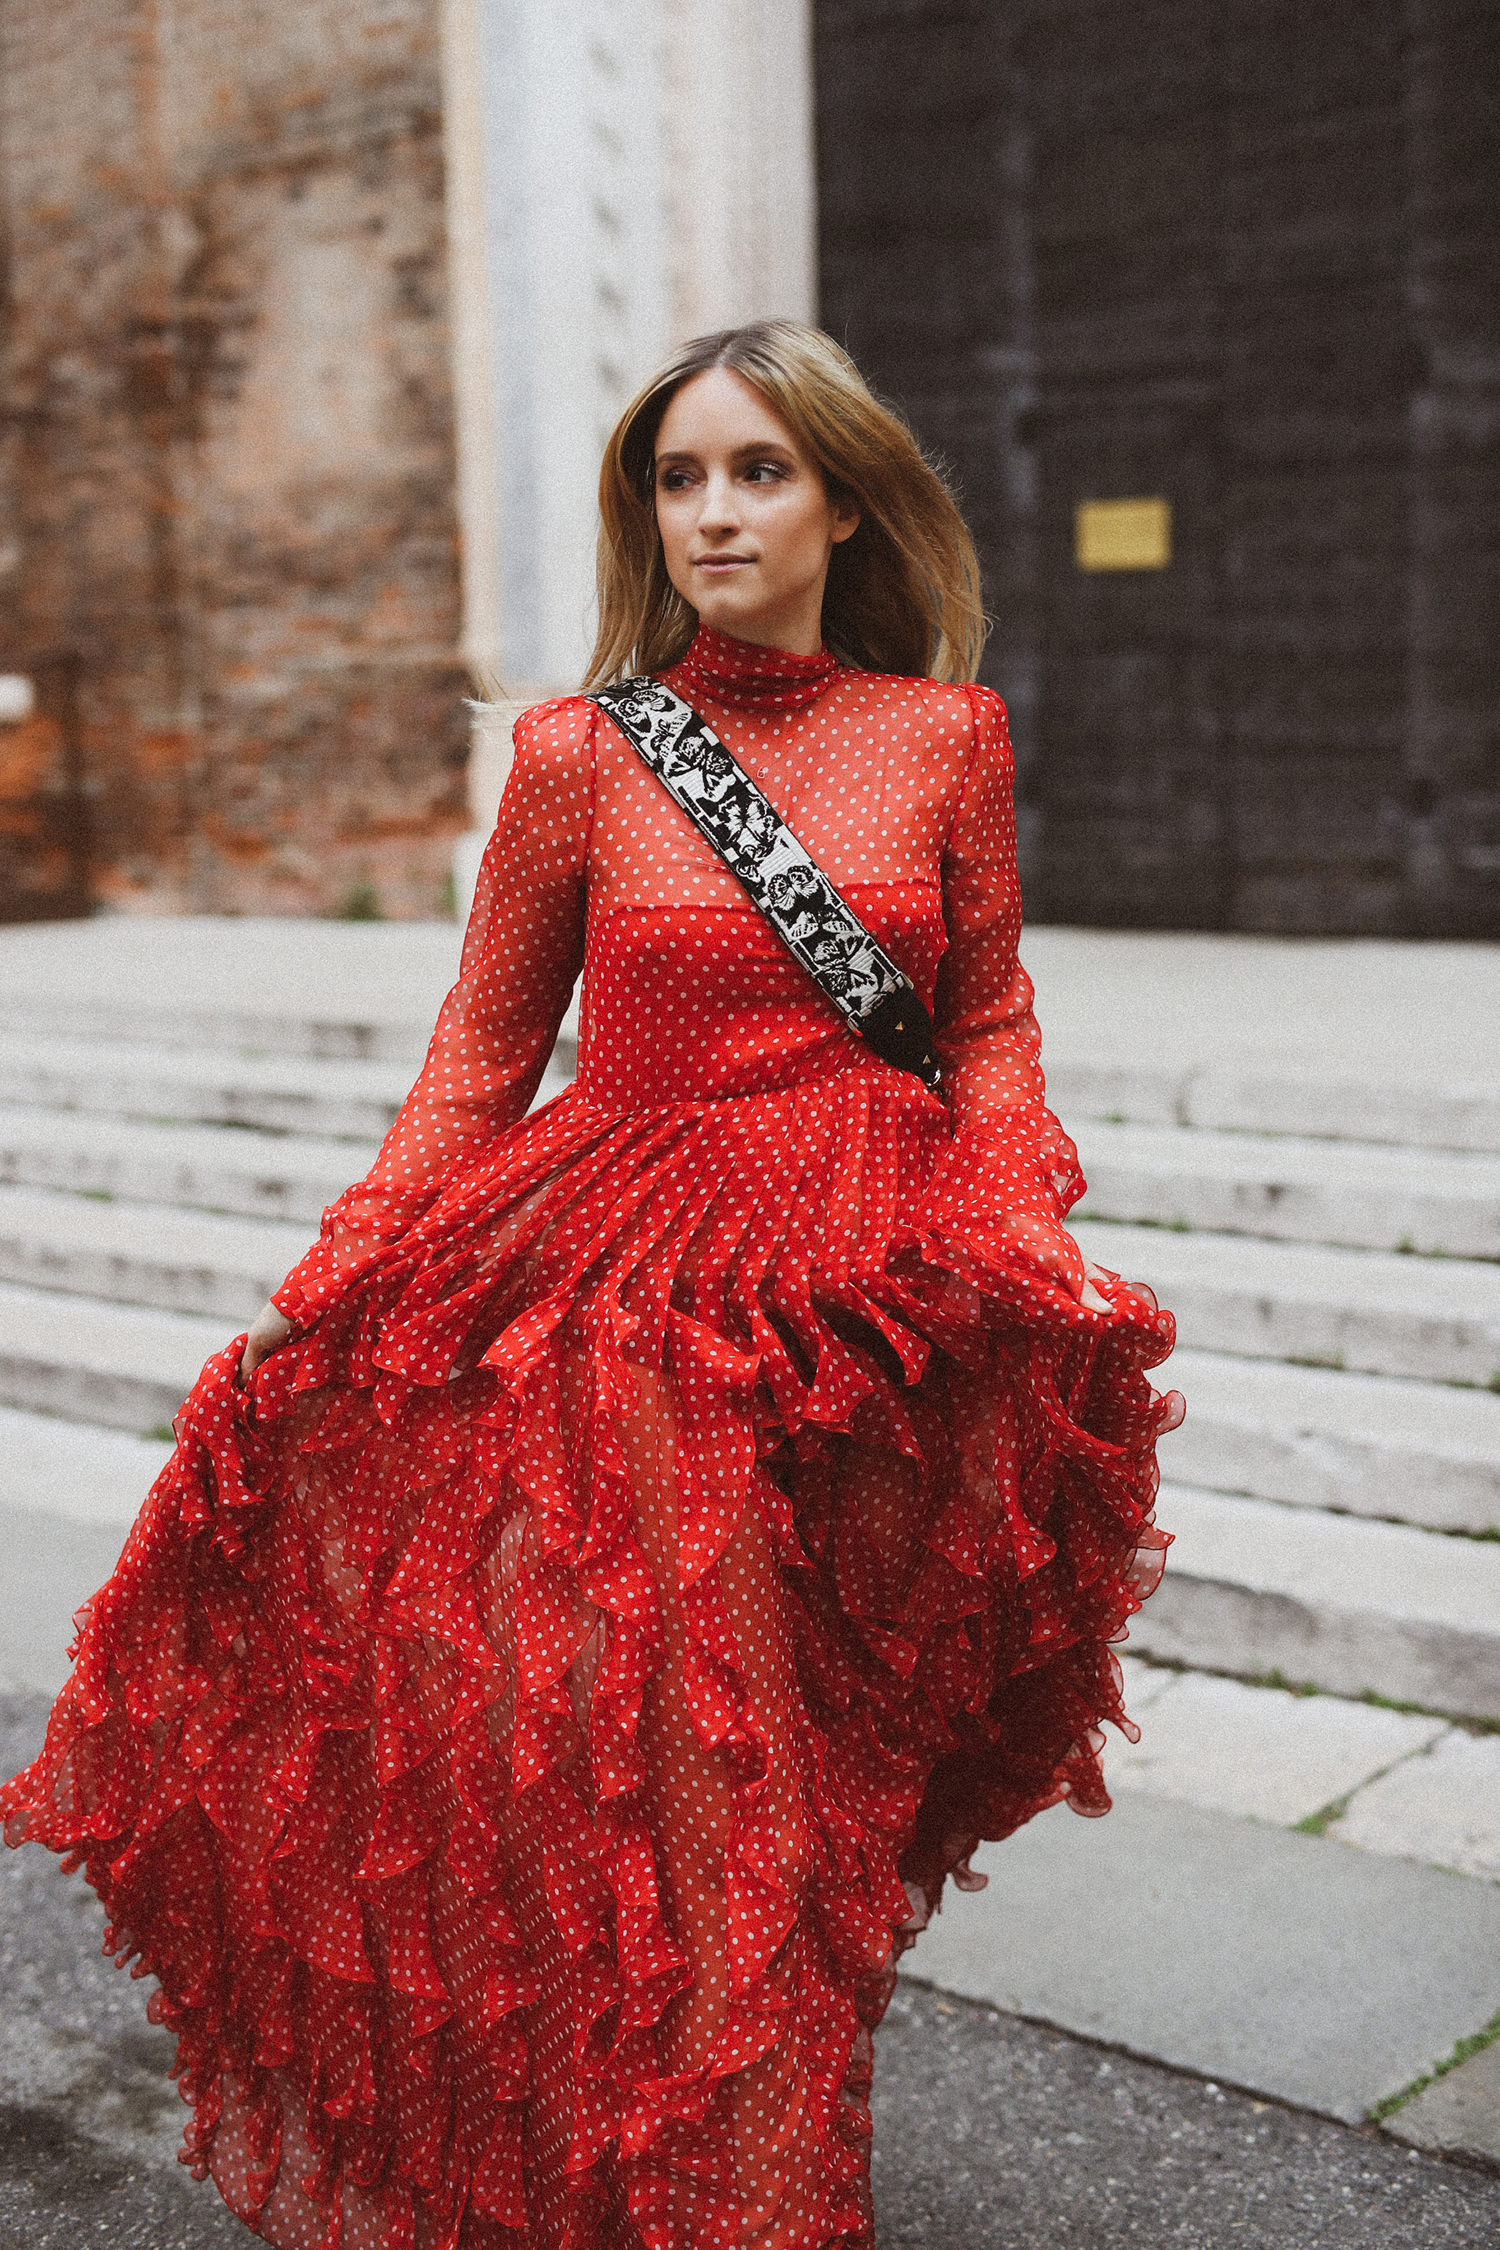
<point>622,174</point>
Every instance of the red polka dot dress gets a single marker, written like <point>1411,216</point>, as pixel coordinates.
<point>526,1723</point>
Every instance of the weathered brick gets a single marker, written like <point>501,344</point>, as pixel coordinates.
<point>226,446</point>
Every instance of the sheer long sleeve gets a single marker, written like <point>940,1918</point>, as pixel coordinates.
<point>522,952</point>
<point>1011,1172</point>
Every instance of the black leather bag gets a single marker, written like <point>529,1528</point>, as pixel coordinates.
<point>875,997</point>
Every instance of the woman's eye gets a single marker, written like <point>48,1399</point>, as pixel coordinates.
<point>675,480</point>
<point>761,472</point>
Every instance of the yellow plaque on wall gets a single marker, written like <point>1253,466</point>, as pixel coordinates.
<point>1123,534</point>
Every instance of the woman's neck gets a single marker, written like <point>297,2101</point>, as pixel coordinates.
<point>748,675</point>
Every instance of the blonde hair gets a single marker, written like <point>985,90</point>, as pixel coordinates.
<point>903,590</point>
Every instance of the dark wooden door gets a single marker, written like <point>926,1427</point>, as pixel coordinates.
<point>1132,801</point>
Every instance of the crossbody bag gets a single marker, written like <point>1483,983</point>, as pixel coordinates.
<point>783,880</point>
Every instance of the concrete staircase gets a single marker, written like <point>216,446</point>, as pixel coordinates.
<point>1331,1248</point>
<point>1330,1253</point>
<point>179,1101</point>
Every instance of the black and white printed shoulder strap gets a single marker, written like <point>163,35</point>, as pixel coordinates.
<point>785,882</point>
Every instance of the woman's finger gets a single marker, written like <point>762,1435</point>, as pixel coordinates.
<point>268,1331</point>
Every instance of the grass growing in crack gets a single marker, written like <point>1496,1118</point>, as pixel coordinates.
<point>1276,1678</point>
<point>1381,1702</point>
<point>1474,2044</point>
<point>1319,1823</point>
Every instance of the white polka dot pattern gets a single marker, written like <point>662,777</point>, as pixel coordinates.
<point>525,1725</point>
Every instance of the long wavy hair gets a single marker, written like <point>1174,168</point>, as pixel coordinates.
<point>903,590</point>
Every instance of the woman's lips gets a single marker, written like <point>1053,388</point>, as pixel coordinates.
<point>718,565</point>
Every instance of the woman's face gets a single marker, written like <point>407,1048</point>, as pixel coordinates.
<point>746,522</point>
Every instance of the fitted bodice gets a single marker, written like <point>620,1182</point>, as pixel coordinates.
<point>900,789</point>
<point>687,994</point>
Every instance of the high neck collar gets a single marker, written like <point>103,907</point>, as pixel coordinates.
<point>750,677</point>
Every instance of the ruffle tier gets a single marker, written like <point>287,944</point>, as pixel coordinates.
<point>367,1683</point>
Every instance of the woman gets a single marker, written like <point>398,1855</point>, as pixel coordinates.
<point>649,1541</point>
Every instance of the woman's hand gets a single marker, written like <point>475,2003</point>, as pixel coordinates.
<point>1092,1293</point>
<point>268,1332</point>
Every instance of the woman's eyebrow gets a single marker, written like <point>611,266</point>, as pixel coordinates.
<point>750,452</point>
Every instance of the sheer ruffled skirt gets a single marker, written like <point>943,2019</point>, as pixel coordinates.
<point>522,1725</point>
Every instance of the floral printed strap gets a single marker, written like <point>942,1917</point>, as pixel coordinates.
<point>871,993</point>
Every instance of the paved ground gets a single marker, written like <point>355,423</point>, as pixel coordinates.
<point>999,2133</point>
<point>990,2132</point>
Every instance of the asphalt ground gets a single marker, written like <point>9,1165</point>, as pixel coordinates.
<point>989,2131</point>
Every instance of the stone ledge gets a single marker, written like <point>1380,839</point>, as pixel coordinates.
<point>1458,2114</point>
<point>1281,1963</point>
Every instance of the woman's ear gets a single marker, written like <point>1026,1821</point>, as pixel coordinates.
<point>845,517</point>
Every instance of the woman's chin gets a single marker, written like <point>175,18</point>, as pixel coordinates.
<point>728,608</point>
<point>734,611</point>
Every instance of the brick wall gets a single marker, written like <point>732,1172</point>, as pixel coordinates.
<point>226,453</point>
<point>1246,258</point>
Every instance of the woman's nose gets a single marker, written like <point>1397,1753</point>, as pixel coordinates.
<point>720,509</point>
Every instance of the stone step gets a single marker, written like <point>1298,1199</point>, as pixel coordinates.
<point>210,1167</point>
<point>276,1092</point>
<point>224,1027</point>
<point>1420,1453</point>
<point>260,984</point>
<point>128,1367</point>
<point>1433,1318</point>
<point>1457,1111</point>
<point>77,1472</point>
<point>1260,1752</point>
<point>202,1167</point>
<point>1351,1606</point>
<point>145,1253</point>
<point>1294,1190</point>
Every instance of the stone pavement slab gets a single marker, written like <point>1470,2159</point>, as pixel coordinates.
<point>1459,2113</point>
<point>1281,1963</point>
<point>996,2135</point>
<point>1258,1752</point>
<point>52,1567</point>
<point>1442,1807</point>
